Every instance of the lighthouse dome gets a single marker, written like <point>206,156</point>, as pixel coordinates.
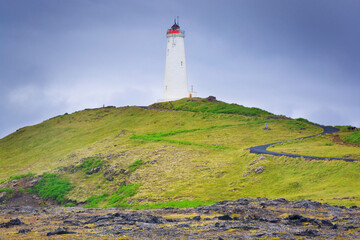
<point>175,26</point>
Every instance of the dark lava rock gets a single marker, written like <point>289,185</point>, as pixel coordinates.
<point>242,201</point>
<point>74,223</point>
<point>307,204</point>
<point>211,99</point>
<point>12,222</point>
<point>327,222</point>
<point>152,219</point>
<point>308,232</point>
<point>59,232</point>
<point>93,170</point>
<point>183,225</point>
<point>98,218</point>
<point>224,217</point>
<point>24,231</point>
<point>2,196</point>
<point>294,217</point>
<point>197,218</point>
<point>218,225</point>
<point>110,178</point>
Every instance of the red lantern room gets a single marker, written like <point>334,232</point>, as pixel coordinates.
<point>175,29</point>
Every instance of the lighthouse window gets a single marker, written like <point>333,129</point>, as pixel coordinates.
<point>181,63</point>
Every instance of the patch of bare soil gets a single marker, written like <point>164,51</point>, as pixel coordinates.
<point>245,218</point>
<point>338,140</point>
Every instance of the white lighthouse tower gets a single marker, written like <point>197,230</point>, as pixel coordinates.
<point>176,83</point>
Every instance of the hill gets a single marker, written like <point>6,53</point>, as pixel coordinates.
<point>184,153</point>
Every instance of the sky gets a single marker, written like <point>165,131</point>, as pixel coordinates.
<point>289,57</point>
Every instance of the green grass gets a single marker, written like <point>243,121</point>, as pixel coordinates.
<point>52,187</point>
<point>117,199</point>
<point>353,138</point>
<point>90,163</point>
<point>162,136</point>
<point>20,176</point>
<point>93,201</point>
<point>7,190</point>
<point>70,204</point>
<point>202,105</point>
<point>135,165</point>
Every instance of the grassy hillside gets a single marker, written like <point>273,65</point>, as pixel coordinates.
<point>353,138</point>
<point>194,152</point>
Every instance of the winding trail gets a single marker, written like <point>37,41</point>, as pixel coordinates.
<point>326,130</point>
<point>261,149</point>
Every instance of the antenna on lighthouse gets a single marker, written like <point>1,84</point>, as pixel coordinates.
<point>177,20</point>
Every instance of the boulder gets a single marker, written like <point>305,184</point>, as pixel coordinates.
<point>12,222</point>
<point>211,99</point>
<point>257,160</point>
<point>93,170</point>
<point>32,182</point>
<point>225,217</point>
<point>2,196</point>
<point>24,231</point>
<point>259,170</point>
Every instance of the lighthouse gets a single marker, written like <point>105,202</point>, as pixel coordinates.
<point>176,83</point>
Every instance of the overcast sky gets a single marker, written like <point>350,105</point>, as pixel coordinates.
<point>289,57</point>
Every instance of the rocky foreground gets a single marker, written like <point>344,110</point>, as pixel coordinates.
<point>259,218</point>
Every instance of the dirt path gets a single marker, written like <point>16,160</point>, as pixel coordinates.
<point>326,130</point>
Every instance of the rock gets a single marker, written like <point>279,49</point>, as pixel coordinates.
<point>110,178</point>
<point>259,170</point>
<point>326,222</point>
<point>59,232</point>
<point>196,218</point>
<point>307,204</point>
<point>73,222</point>
<point>94,170</point>
<point>153,219</point>
<point>242,201</point>
<point>143,225</point>
<point>33,182</point>
<point>225,217</point>
<point>257,160</point>
<point>218,225</point>
<point>24,231</point>
<point>12,222</point>
<point>211,99</point>
<point>2,196</point>
<point>99,218</point>
<point>308,232</point>
<point>183,225</point>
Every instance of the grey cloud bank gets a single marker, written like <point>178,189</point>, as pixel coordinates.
<point>297,58</point>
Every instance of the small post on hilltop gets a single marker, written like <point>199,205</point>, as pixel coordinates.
<point>266,126</point>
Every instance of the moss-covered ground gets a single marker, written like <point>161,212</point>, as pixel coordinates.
<point>193,152</point>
